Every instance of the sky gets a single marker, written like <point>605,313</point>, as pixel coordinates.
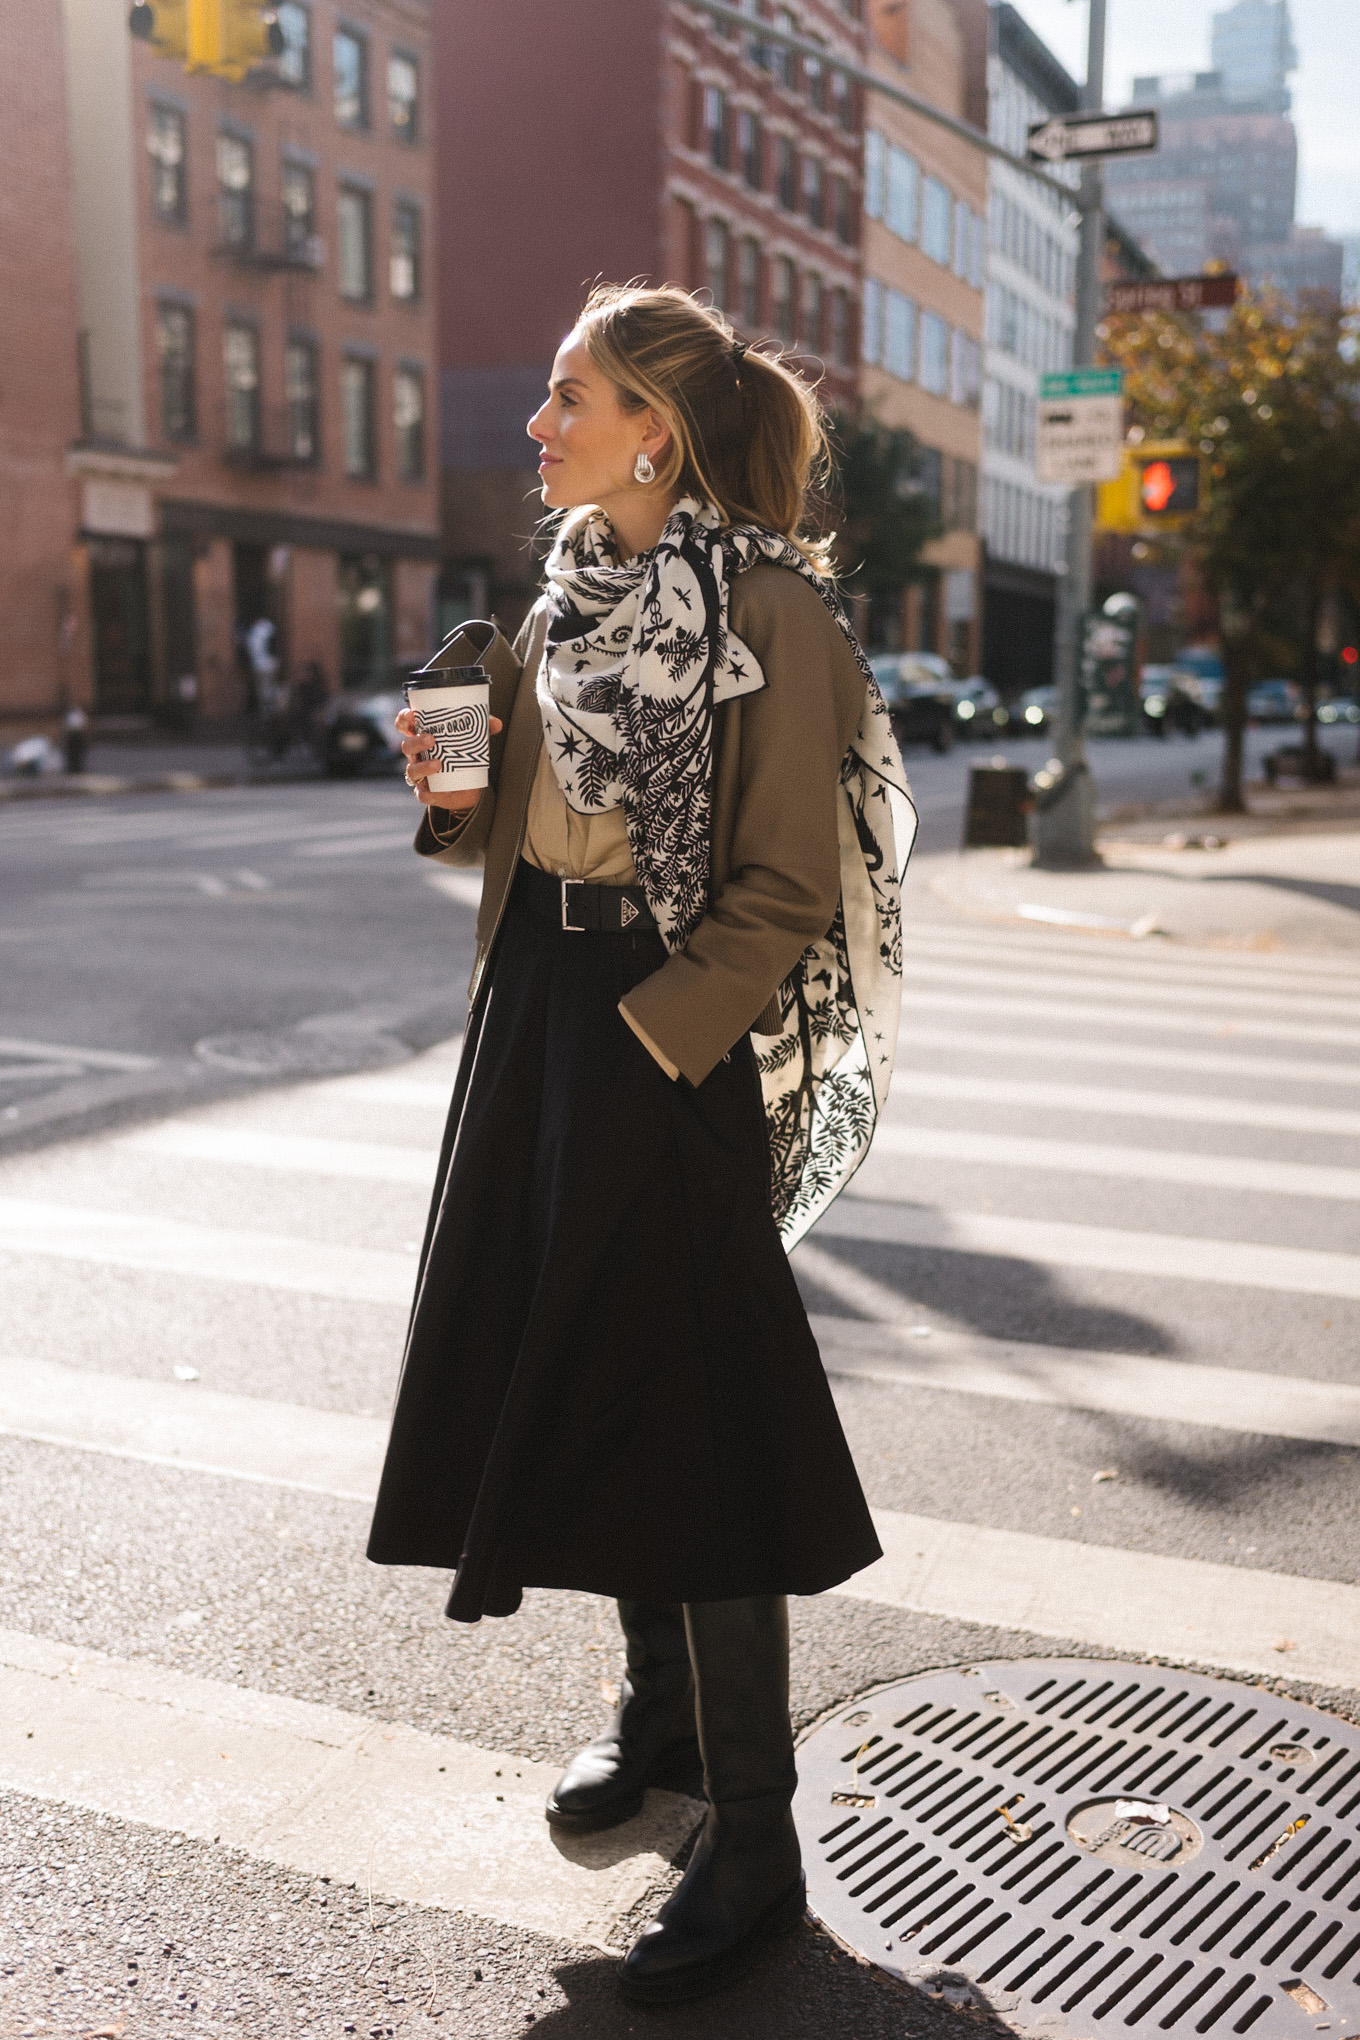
<point>1143,36</point>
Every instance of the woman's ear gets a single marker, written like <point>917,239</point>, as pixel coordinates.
<point>656,440</point>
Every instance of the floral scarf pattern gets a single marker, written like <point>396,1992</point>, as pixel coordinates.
<point>638,656</point>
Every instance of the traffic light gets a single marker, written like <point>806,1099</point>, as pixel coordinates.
<point>1168,487</point>
<point>165,25</point>
<point>229,38</point>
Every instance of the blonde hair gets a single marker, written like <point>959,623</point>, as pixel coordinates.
<point>747,434</point>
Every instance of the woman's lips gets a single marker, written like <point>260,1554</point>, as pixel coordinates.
<point>547,460</point>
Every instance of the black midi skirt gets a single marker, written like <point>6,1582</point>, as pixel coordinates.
<point>610,1382</point>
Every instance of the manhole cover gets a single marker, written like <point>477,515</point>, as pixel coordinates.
<point>1087,1847</point>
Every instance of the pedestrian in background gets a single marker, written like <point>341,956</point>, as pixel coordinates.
<point>683,1018</point>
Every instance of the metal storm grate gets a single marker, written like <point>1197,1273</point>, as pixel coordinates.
<point>1094,1848</point>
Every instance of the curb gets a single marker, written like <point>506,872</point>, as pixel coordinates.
<point>97,785</point>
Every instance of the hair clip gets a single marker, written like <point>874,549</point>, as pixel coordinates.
<point>739,351</point>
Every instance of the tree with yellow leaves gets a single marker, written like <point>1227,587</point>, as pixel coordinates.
<point>1272,400</point>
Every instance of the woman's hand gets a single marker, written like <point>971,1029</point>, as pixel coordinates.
<point>422,760</point>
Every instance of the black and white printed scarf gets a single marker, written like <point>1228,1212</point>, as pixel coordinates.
<point>638,655</point>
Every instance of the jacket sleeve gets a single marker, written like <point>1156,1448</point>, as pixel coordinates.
<point>784,868</point>
<point>462,838</point>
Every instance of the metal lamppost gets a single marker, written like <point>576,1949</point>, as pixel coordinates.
<point>1065,823</point>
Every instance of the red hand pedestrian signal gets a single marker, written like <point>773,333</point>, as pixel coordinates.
<point>1159,484</point>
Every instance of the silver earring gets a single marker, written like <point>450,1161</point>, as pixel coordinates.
<point>643,471</point>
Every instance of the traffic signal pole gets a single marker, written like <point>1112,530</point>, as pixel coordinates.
<point>1065,824</point>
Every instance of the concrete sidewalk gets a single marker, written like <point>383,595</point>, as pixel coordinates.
<point>1255,891</point>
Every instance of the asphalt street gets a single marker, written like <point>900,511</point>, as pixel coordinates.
<point>1091,1313</point>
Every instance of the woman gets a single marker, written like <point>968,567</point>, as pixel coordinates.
<point>610,1382</point>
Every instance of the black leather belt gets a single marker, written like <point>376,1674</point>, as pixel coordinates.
<point>584,909</point>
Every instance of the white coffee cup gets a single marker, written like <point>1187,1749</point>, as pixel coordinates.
<point>453,709</point>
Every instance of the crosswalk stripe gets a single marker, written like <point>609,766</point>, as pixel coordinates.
<point>1122,1054</point>
<point>372,1161</point>
<point>1132,992</point>
<point>211,1253</point>
<point>374,1804</point>
<point>1179,1608</point>
<point>1126,1164</point>
<point>917,999</point>
<point>1114,1101</point>
<point>368,1161</point>
<point>357,846</point>
<point>1167,963</point>
<point>1139,1601</point>
<point>92,1058</point>
<point>1292,1270</point>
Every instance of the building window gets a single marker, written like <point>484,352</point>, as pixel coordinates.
<point>812,312</point>
<point>404,266</point>
<point>357,412</point>
<point>748,284</point>
<point>403,97</point>
<point>937,222</point>
<point>838,319</point>
<point>351,79</point>
<point>169,172</point>
<point>814,191</point>
<point>354,239</point>
<point>965,369</point>
<point>749,148</point>
<point>236,191</point>
<point>934,343</point>
<point>715,263</point>
<point>843,210</point>
<point>871,322</point>
<point>874,160</point>
<point>902,196</point>
<point>175,353</point>
<point>814,77</point>
<point>715,126</point>
<point>295,61</point>
<point>785,59</point>
<point>786,173</point>
<point>302,388</point>
<point>241,368</point>
<point>298,188</point>
<point>781,293</point>
<point>963,215</point>
<point>899,335</point>
<point>408,421</point>
<point>842,97</point>
<point>977,251</point>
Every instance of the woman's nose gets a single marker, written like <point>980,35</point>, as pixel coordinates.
<point>535,427</point>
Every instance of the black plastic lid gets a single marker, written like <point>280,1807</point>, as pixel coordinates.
<point>452,676</point>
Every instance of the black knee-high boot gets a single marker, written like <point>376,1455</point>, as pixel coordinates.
<point>745,1878</point>
<point>652,1740</point>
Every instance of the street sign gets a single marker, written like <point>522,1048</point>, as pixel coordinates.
<point>1080,426</point>
<point>1173,294</point>
<point>1084,135</point>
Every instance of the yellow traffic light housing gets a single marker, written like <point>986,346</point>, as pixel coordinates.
<point>229,38</point>
<point>1161,486</point>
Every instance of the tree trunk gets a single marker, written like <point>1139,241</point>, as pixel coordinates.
<point>1233,710</point>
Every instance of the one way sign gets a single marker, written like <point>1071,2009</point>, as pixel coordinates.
<point>1092,134</point>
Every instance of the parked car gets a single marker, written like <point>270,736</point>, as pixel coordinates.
<point>917,698</point>
<point>1342,708</point>
<point>359,733</point>
<point>979,710</point>
<point>1170,701</point>
<point>1034,711</point>
<point>1273,701</point>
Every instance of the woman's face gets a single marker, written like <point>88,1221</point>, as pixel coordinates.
<point>589,443</point>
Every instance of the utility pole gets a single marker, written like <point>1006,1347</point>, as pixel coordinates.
<point>1065,826</point>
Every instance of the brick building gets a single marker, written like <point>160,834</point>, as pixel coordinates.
<point>42,650</point>
<point>254,266</point>
<point>669,149</point>
<point>924,260</point>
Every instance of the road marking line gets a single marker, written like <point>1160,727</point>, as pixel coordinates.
<point>463,886</point>
<point>882,1344</point>
<point>915,1000</point>
<point>1180,1608</point>
<point>1127,1055</point>
<point>368,1161</point>
<point>1115,1102</point>
<point>1228,1002</point>
<point>426,1819</point>
<point>1131,1164</point>
<point>173,1247</point>
<point>1292,1270</point>
<point>1179,964</point>
<point>358,846</point>
<point>92,1058</point>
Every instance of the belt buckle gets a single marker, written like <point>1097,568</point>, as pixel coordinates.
<point>571,927</point>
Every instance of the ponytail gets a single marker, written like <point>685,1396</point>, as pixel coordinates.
<point>747,434</point>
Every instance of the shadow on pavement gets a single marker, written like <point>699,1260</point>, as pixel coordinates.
<point>1331,894</point>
